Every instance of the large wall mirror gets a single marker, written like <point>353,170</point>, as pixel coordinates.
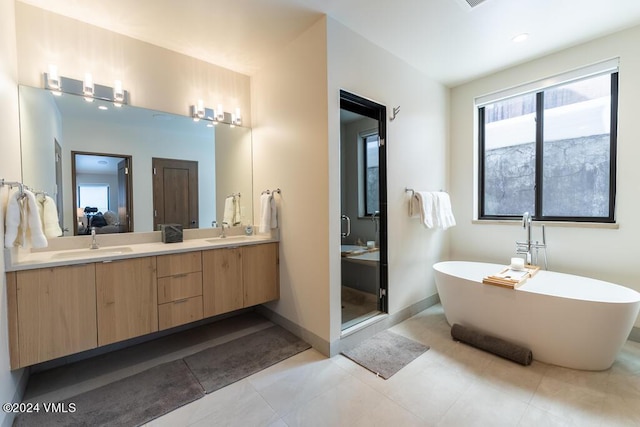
<point>71,150</point>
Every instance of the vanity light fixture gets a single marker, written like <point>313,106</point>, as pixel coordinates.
<point>220,113</point>
<point>53,80</point>
<point>236,118</point>
<point>87,87</point>
<point>118,93</point>
<point>212,117</point>
<point>198,111</point>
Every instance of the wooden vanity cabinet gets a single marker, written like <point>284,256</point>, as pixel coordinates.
<point>127,299</point>
<point>179,289</point>
<point>52,313</point>
<point>58,311</point>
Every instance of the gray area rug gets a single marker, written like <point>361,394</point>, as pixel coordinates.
<point>227,363</point>
<point>131,401</point>
<point>385,353</point>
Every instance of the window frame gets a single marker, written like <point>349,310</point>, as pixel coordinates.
<point>364,164</point>
<point>539,166</point>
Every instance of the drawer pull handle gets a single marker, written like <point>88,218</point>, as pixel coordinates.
<point>180,301</point>
<point>180,275</point>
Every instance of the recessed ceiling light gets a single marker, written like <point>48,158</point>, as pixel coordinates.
<point>103,107</point>
<point>102,162</point>
<point>520,38</point>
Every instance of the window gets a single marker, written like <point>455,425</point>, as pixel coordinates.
<point>370,167</point>
<point>550,152</point>
<point>94,195</point>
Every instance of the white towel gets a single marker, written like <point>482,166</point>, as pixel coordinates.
<point>23,223</point>
<point>443,211</point>
<point>4,199</point>
<point>423,204</point>
<point>13,233</point>
<point>237,217</point>
<point>229,210</point>
<point>268,213</point>
<point>33,228</point>
<point>50,222</point>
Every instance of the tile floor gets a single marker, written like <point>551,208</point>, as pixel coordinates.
<point>449,385</point>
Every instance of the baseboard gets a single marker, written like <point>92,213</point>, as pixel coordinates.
<point>635,334</point>
<point>316,342</point>
<point>354,338</point>
<point>21,386</point>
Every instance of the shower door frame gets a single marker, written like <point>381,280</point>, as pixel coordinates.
<point>368,108</point>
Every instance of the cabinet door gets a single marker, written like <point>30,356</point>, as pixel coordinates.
<point>221,281</point>
<point>127,299</point>
<point>260,273</point>
<point>56,312</point>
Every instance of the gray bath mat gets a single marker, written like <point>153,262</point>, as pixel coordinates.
<point>131,401</point>
<point>385,353</point>
<point>227,363</point>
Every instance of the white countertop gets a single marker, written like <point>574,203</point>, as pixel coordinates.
<point>26,260</point>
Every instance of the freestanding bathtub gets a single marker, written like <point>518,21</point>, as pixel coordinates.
<point>565,320</point>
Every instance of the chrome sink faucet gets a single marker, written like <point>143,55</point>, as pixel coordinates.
<point>94,243</point>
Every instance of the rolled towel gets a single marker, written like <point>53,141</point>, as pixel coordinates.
<point>500,347</point>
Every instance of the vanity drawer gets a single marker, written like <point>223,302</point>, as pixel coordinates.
<point>188,262</point>
<point>179,286</point>
<point>179,312</point>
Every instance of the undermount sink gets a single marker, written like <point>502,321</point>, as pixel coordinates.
<point>92,252</point>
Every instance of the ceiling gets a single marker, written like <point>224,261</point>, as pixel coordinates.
<point>446,39</point>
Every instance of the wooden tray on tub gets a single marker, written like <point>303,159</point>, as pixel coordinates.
<point>511,279</point>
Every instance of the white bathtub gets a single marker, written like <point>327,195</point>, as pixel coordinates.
<point>565,320</point>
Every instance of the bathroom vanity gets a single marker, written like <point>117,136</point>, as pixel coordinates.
<point>68,301</point>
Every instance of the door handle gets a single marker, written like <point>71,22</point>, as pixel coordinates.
<point>348,233</point>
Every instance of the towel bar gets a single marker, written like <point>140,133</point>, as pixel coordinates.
<point>277,190</point>
<point>12,184</point>
<point>412,191</point>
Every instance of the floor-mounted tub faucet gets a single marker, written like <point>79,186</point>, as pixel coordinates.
<point>527,247</point>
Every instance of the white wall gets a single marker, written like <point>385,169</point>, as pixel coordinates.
<point>416,157</point>
<point>603,253</point>
<point>289,101</point>
<point>9,170</point>
<point>297,147</point>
